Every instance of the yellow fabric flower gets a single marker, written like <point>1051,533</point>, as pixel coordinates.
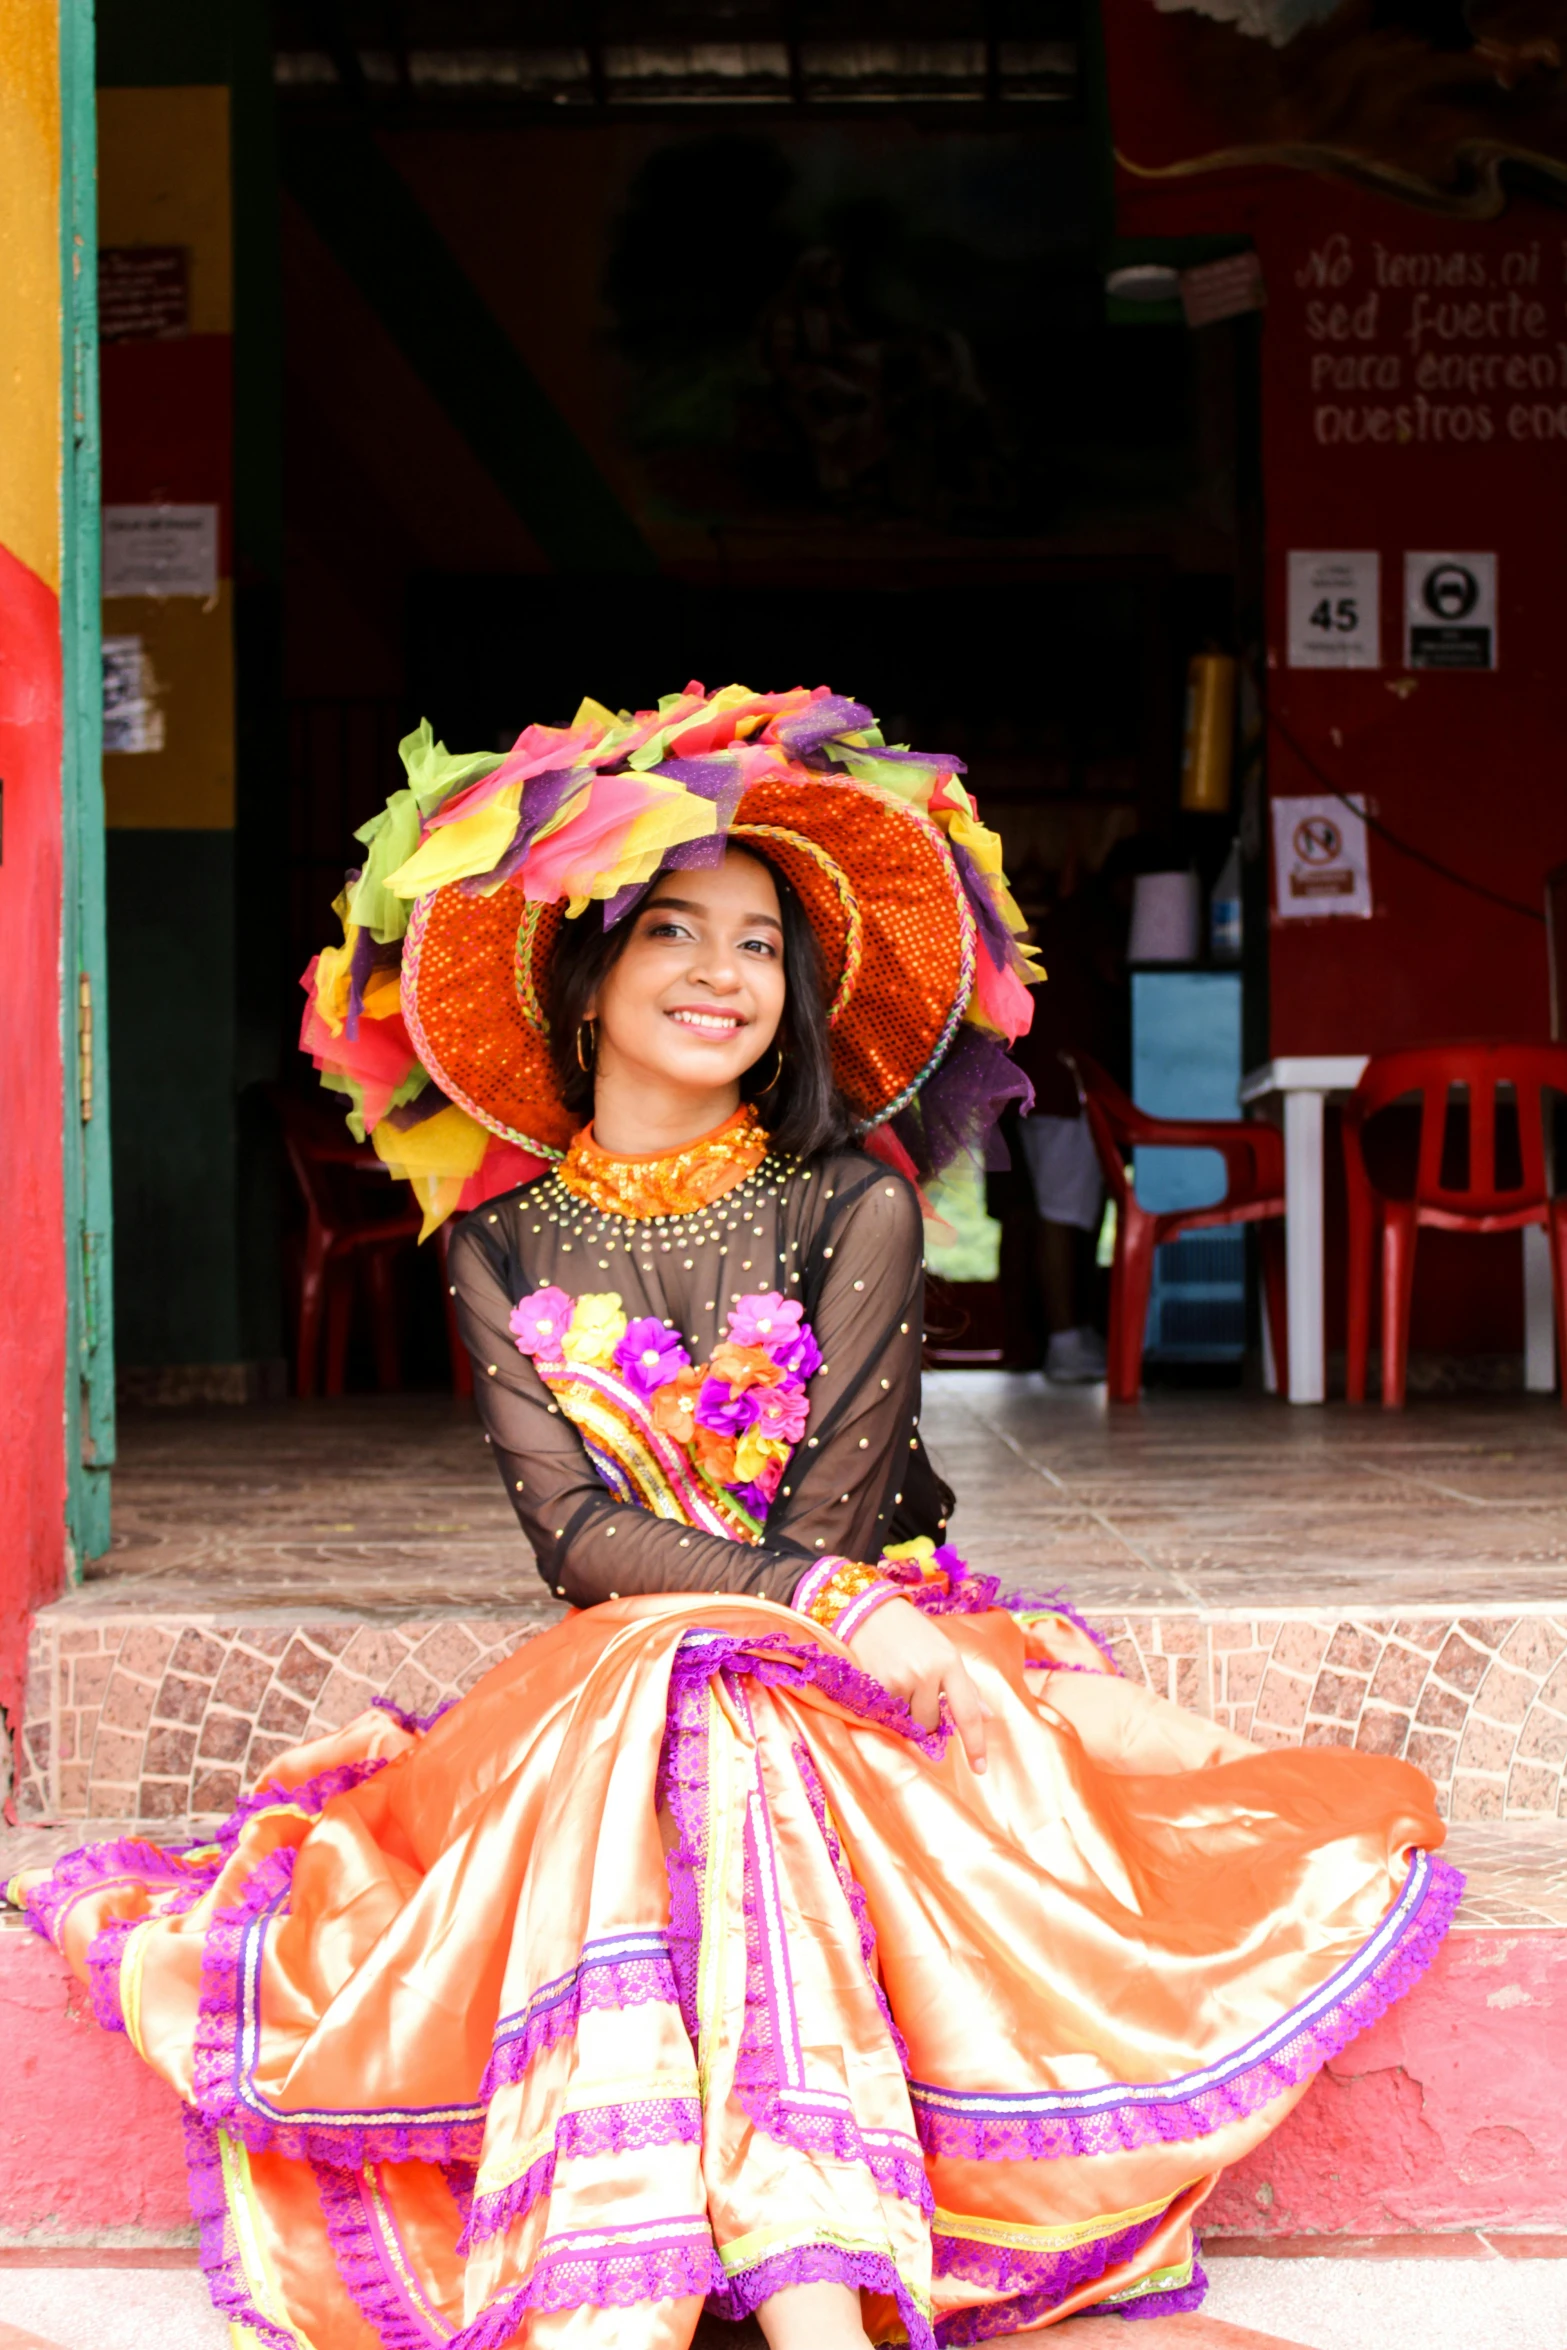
<point>597,1328</point>
<point>752,1452</point>
<point>921,1551</point>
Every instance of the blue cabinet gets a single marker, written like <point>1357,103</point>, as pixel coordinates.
<point>1186,1063</point>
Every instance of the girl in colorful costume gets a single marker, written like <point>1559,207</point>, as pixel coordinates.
<point>792,1929</point>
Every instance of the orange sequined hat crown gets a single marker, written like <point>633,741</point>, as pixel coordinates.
<point>449,926</point>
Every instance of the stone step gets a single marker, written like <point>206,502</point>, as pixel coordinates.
<point>139,1712</point>
<point>1447,2117</point>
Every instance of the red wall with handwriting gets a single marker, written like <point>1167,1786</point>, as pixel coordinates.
<point>1415,398</point>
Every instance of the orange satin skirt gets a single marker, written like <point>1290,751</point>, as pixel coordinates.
<point>676,1965</point>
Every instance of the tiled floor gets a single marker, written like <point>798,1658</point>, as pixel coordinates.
<point>1207,1499</point>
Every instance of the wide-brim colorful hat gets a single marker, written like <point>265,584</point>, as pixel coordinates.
<point>431,1015</point>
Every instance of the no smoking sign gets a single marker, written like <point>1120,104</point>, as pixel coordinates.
<point>1449,611</point>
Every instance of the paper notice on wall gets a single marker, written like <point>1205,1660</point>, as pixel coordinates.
<point>1335,610</point>
<point>132,718</point>
<point>1450,611</point>
<point>160,551</point>
<point>1320,859</point>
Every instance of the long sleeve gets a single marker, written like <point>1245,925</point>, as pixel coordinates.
<point>858,1242</point>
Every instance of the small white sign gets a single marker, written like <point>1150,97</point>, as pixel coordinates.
<point>1320,861</point>
<point>132,719</point>
<point>1450,611</point>
<point>160,551</point>
<point>1335,610</point>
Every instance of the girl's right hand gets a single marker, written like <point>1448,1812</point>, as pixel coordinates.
<point>912,1657</point>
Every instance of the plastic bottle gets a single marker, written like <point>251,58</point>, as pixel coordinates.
<point>1224,910</point>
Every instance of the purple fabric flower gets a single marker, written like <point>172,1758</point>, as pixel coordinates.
<point>766,1320</point>
<point>539,1323</point>
<point>727,1414</point>
<point>803,1359</point>
<point>649,1355</point>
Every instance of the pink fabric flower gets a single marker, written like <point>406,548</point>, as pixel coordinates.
<point>780,1412</point>
<point>765,1319</point>
<point>649,1355</point>
<point>539,1323</point>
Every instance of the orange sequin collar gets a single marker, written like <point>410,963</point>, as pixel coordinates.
<point>674,1183</point>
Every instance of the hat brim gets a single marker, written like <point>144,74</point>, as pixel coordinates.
<point>885,903</point>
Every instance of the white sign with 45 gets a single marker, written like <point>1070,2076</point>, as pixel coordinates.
<point>1335,610</point>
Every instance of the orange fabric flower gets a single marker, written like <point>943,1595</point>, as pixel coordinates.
<point>714,1453</point>
<point>674,1405</point>
<point>744,1366</point>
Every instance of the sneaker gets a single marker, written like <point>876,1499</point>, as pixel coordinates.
<point>1075,1358</point>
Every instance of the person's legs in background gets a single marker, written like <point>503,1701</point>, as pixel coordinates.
<point>1069,1200</point>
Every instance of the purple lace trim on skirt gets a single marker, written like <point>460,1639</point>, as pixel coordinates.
<point>311,1795</point>
<point>1001,2128</point>
<point>219,2258</point>
<point>1024,1603</point>
<point>598,2129</point>
<point>853,1892</point>
<point>127,1858</point>
<point>572,2273</point>
<point>107,1949</point>
<point>349,2141</point>
<point>1175,2301</point>
<point>740,2296</point>
<point>1026,2285</point>
<point>373,2288</point>
<point>553,2013</point>
<point>415,1724</point>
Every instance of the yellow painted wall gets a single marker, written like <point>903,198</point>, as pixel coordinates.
<point>29,275</point>
<point>189,784</point>
<point>163,179</point>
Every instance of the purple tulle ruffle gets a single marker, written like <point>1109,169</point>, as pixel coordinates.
<point>957,1109</point>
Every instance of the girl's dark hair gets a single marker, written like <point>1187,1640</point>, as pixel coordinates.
<point>804,1112</point>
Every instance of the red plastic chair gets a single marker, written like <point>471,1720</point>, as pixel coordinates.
<point>355,1217</point>
<point>1481,1204</point>
<point>1253,1156</point>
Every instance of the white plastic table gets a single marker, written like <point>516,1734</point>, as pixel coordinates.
<point>1303,1083</point>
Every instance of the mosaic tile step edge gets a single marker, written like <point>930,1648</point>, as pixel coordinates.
<point>157,1717</point>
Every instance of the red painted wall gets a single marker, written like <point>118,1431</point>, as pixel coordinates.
<point>66,2177</point>
<point>32,1317</point>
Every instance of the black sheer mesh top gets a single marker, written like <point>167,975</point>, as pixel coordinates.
<point>842,1235</point>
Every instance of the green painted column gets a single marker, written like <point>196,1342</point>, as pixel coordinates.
<point>89,1358</point>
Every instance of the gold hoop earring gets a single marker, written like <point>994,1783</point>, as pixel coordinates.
<point>777,1073</point>
<point>584,1062</point>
